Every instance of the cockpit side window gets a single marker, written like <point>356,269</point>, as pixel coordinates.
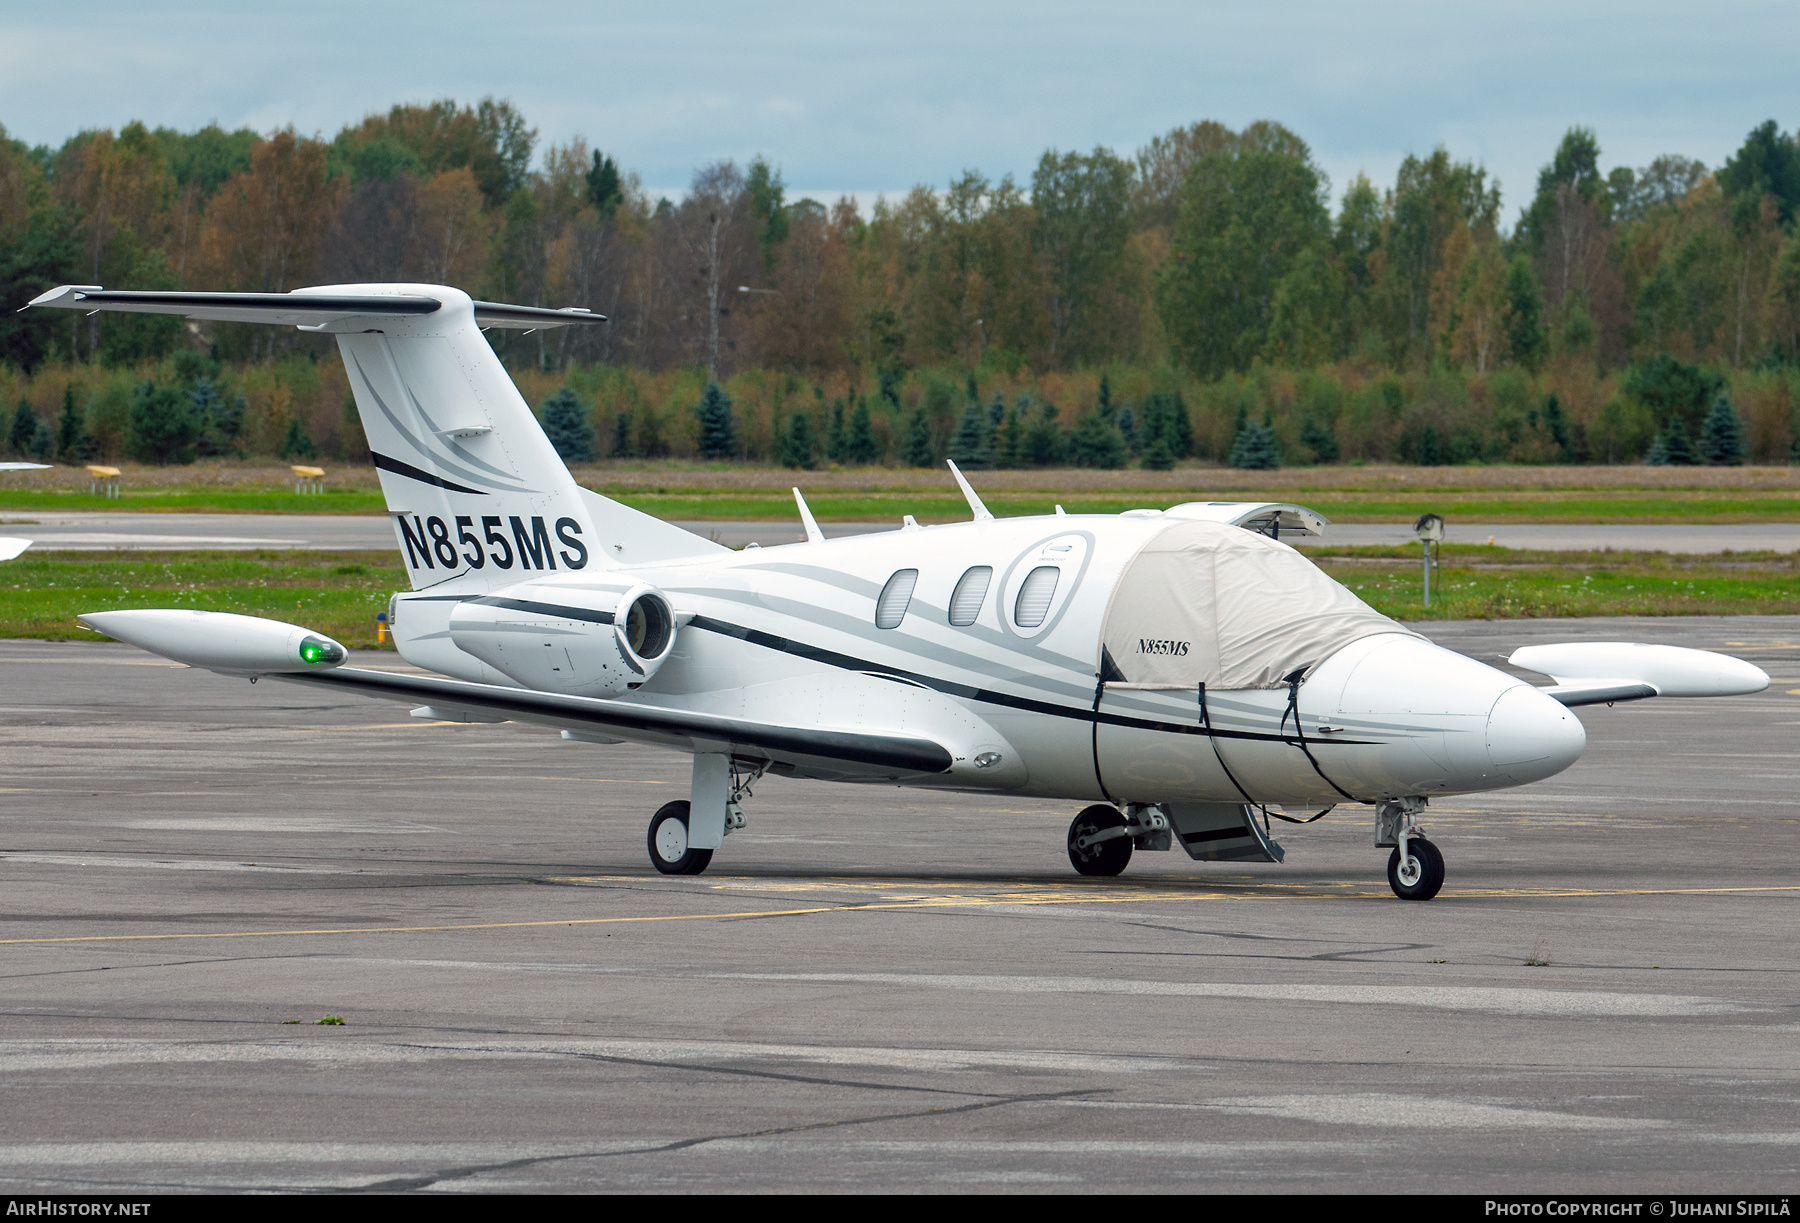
<point>1033,602</point>
<point>971,589</point>
<point>890,608</point>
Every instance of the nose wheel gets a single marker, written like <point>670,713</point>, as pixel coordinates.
<point>1415,869</point>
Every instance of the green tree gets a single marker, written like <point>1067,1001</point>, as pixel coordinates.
<point>1524,313</point>
<point>797,445</point>
<point>718,427</point>
<point>297,443</point>
<point>605,189</point>
<point>1317,437</point>
<point>1674,391</point>
<point>162,427</point>
<point>567,426</point>
<point>1767,164</point>
<point>1246,215</point>
<point>863,446</point>
<point>1722,441</point>
<point>1433,197</point>
<point>973,445</point>
<point>1575,167</point>
<point>24,428</point>
<point>919,450</point>
<point>220,419</point>
<point>43,442</point>
<point>1166,421</point>
<point>1255,448</point>
<point>71,429</point>
<point>1083,205</point>
<point>1097,442</point>
<point>622,447</point>
<point>767,212</point>
<point>1045,443</point>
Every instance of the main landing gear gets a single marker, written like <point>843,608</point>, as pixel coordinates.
<point>684,834</point>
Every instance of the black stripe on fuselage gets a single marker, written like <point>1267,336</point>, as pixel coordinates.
<point>424,477</point>
<point>967,692</point>
<point>554,610</point>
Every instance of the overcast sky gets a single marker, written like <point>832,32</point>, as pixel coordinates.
<point>873,98</point>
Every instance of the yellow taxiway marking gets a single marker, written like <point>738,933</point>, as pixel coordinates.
<point>1060,897</point>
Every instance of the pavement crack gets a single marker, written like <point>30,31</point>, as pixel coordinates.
<point>426,1180</point>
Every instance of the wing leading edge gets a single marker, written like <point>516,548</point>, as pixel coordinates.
<point>647,723</point>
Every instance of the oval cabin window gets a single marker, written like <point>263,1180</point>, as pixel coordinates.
<point>890,608</point>
<point>1033,603</point>
<point>971,589</point>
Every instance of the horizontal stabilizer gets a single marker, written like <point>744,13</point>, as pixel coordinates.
<point>1592,672</point>
<point>301,308</point>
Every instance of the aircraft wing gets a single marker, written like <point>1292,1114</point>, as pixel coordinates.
<point>809,750</point>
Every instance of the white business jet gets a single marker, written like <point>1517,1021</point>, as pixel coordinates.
<point>1182,671</point>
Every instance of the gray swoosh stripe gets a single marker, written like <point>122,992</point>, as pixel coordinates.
<point>425,451</point>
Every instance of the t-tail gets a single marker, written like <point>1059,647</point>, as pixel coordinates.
<point>478,496</point>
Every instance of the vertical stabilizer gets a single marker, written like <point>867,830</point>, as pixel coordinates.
<point>479,497</point>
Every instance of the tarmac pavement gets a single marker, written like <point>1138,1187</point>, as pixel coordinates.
<point>870,989</point>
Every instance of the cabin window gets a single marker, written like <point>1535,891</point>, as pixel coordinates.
<point>890,609</point>
<point>1033,603</point>
<point>971,589</point>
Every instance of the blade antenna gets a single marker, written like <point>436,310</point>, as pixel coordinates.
<point>813,534</point>
<point>981,511</point>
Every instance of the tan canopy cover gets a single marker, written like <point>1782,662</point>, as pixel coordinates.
<point>1205,602</point>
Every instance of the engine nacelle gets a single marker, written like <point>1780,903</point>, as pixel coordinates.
<point>585,642</point>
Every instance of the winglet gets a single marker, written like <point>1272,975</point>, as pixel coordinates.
<point>981,511</point>
<point>813,534</point>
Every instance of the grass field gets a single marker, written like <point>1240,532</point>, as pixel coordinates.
<point>726,492</point>
<point>340,593</point>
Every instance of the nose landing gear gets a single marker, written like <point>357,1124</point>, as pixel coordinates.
<point>1415,868</point>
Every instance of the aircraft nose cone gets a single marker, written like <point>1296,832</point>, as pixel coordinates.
<point>1531,736</point>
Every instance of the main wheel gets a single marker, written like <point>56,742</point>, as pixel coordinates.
<point>1421,875</point>
<point>670,852</point>
<point>1109,857</point>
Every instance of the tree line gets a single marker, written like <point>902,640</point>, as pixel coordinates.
<point>1208,275</point>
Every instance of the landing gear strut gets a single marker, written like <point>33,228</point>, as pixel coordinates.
<point>1415,868</point>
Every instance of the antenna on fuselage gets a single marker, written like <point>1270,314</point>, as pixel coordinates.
<point>981,511</point>
<point>813,534</point>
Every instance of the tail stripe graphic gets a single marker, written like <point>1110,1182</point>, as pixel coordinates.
<point>424,450</point>
<point>424,477</point>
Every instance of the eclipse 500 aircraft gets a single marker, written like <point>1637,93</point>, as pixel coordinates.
<point>1182,671</point>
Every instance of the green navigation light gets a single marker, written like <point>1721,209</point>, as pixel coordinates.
<point>318,652</point>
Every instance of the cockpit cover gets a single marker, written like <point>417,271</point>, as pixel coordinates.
<point>1205,602</point>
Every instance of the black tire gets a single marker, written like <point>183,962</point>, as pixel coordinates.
<point>1108,857</point>
<point>1431,871</point>
<point>689,861</point>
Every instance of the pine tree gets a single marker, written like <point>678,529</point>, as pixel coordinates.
<point>1158,456</point>
<point>1044,442</point>
<point>1317,437</point>
<point>24,428</point>
<point>1722,441</point>
<point>567,426</point>
<point>797,443</point>
<point>1658,454</point>
<point>1128,427</point>
<point>919,450</point>
<point>863,446</point>
<point>621,436</point>
<point>1097,442</point>
<point>1009,447</point>
<point>1106,404</point>
<point>43,442</point>
<point>220,419</point>
<point>973,446</point>
<point>718,429</point>
<point>1677,446</point>
<point>1254,448</point>
<point>1558,424</point>
<point>69,428</point>
<point>1430,451</point>
<point>297,444</point>
<point>837,441</point>
<point>162,426</point>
